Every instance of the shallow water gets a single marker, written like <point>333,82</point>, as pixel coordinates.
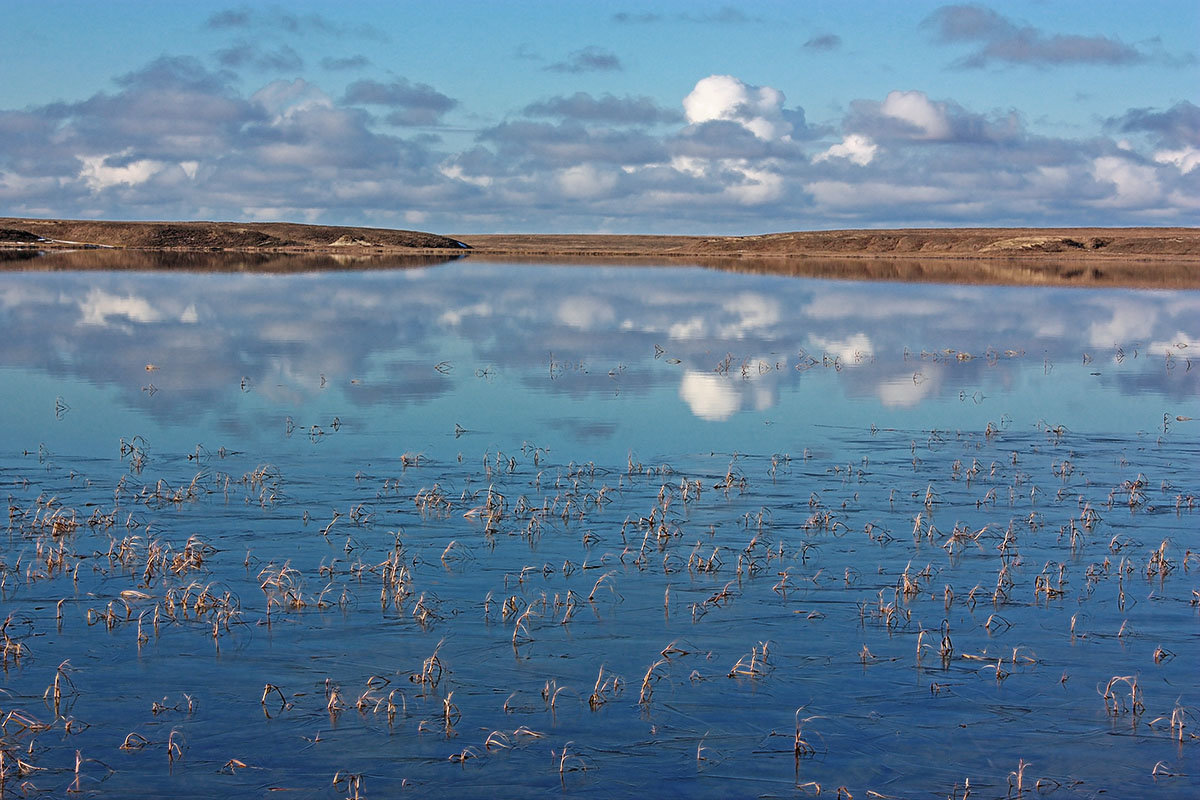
<point>654,516</point>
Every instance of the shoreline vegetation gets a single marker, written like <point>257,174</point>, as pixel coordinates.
<point>1167,258</point>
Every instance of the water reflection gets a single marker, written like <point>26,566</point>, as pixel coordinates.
<point>690,343</point>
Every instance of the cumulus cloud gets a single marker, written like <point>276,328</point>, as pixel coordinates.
<point>720,139</point>
<point>412,103</point>
<point>758,109</point>
<point>585,181</point>
<point>854,147</point>
<point>914,108</point>
<point>756,187</point>
<point>283,98</point>
<point>1175,132</point>
<point>1186,158</point>
<point>1177,125</point>
<point>100,171</point>
<point>999,39</point>
<point>180,138</point>
<point>1136,184</point>
<point>569,143</point>
<point>589,59</point>
<point>737,138</point>
<point>173,109</point>
<point>606,108</point>
<point>176,139</point>
<point>912,115</point>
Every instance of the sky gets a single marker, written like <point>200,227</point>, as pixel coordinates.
<point>604,117</point>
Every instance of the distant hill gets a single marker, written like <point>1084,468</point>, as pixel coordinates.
<point>1163,258</point>
<point>926,243</point>
<point>215,235</point>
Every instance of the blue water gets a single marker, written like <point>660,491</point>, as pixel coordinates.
<point>734,469</point>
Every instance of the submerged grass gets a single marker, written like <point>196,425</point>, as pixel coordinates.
<point>1048,577</point>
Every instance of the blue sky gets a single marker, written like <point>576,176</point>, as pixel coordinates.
<point>470,117</point>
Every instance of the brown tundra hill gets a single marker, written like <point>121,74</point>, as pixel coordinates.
<point>214,235</point>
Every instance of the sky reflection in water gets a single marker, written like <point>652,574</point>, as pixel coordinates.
<point>593,362</point>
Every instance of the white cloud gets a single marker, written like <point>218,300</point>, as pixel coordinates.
<point>852,350</point>
<point>692,328</point>
<point>454,316</point>
<point>1172,344</point>
<point>178,140</point>
<point>918,110</point>
<point>1136,184</point>
<point>17,295</point>
<point>904,392</point>
<point>584,180</point>
<point>760,186</point>
<point>1129,323</point>
<point>285,98</point>
<point>709,396</point>
<point>456,172</point>
<point>758,109</point>
<point>98,175</point>
<point>99,305</point>
<point>753,312</point>
<point>1187,159</point>
<point>585,313</point>
<point>1050,181</point>
<point>690,165</point>
<point>856,147</point>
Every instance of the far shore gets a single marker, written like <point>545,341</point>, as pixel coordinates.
<point>1136,257</point>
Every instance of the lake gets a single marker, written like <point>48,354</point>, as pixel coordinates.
<point>485,529</point>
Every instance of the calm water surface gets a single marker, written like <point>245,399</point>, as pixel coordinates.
<point>507,530</point>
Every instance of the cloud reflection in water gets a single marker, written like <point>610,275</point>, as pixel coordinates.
<point>718,345</point>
